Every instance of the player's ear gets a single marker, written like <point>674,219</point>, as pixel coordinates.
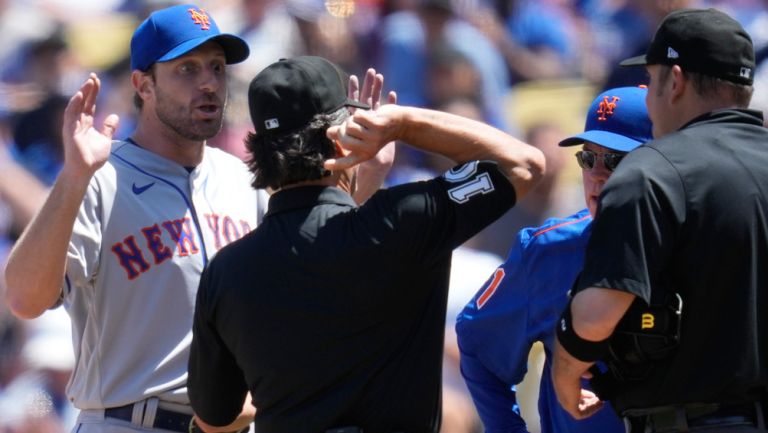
<point>678,81</point>
<point>142,83</point>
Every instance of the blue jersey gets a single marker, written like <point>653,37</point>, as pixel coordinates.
<point>519,305</point>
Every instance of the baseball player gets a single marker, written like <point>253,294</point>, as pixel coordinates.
<point>130,224</point>
<point>522,300</point>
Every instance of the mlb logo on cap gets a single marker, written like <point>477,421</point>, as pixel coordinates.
<point>272,123</point>
<point>672,54</point>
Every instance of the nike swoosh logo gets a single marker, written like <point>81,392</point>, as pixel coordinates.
<point>140,189</point>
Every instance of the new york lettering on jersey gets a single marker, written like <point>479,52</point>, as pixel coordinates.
<point>161,211</point>
<point>157,243</point>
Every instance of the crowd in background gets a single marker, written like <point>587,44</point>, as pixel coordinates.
<point>529,67</point>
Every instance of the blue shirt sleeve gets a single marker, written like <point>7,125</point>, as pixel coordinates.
<point>494,341</point>
<point>496,401</point>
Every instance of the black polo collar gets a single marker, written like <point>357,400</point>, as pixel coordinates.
<point>307,196</point>
<point>730,115</point>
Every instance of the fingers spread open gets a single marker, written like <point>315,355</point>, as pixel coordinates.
<point>353,91</point>
<point>91,91</point>
<point>366,93</point>
<point>74,107</point>
<point>392,97</point>
<point>378,85</point>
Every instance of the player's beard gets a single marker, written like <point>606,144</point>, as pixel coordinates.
<point>178,117</point>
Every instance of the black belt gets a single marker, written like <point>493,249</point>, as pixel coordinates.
<point>164,419</point>
<point>348,429</point>
<point>686,417</point>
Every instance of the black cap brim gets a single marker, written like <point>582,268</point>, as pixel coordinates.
<point>356,104</point>
<point>635,61</point>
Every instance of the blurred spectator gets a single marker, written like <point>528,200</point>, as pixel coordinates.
<point>21,194</point>
<point>142,8</point>
<point>407,39</point>
<point>20,23</point>
<point>34,400</point>
<point>451,77</point>
<point>41,75</point>
<point>538,39</point>
<point>47,354</point>
<point>632,28</point>
<point>65,10</point>
<point>269,29</point>
<point>326,30</point>
<point>37,143</point>
<point>47,64</point>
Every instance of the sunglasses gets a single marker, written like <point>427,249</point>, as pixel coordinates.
<point>587,159</point>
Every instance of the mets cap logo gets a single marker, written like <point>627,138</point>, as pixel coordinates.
<point>606,107</point>
<point>200,18</point>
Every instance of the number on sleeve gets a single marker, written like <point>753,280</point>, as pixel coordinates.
<point>479,185</point>
<point>498,276</point>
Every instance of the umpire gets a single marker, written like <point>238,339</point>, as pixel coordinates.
<point>680,244</point>
<point>330,314</point>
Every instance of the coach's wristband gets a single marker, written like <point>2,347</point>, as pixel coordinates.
<point>579,348</point>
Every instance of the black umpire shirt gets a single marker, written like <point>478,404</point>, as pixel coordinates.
<point>690,211</point>
<point>332,315</point>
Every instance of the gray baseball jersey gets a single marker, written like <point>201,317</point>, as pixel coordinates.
<point>146,228</point>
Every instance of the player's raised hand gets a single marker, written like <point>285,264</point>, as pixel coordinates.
<point>373,83</point>
<point>364,134</point>
<point>85,148</point>
<point>373,172</point>
<point>362,145</point>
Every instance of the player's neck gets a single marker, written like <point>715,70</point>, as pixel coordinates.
<point>168,144</point>
<point>335,179</point>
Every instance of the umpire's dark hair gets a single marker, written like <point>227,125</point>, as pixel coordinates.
<point>295,156</point>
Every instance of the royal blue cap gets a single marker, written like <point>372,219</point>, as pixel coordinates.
<point>172,32</point>
<point>617,119</point>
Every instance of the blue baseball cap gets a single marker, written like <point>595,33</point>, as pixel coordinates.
<point>617,119</point>
<point>172,32</point>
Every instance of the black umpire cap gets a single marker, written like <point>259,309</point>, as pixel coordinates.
<point>288,93</point>
<point>705,41</point>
